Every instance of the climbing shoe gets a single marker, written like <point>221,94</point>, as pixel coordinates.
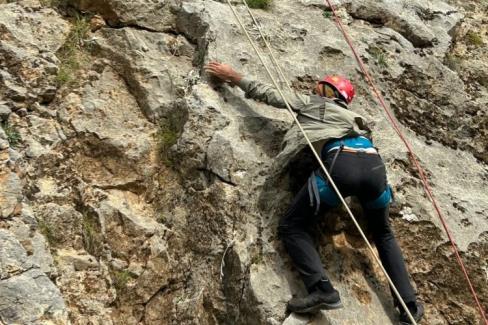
<point>417,311</point>
<point>315,301</point>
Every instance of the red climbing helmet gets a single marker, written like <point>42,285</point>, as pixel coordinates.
<point>342,85</point>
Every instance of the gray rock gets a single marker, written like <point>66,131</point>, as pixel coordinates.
<point>122,137</point>
<point>14,155</point>
<point>13,257</point>
<point>10,193</point>
<point>3,135</point>
<point>149,65</point>
<point>4,112</point>
<point>32,36</point>
<point>25,229</point>
<point>4,144</point>
<point>31,297</point>
<point>423,25</point>
<point>152,15</point>
<point>296,319</point>
<point>27,295</point>
<point>80,262</point>
<point>195,235</point>
<point>62,223</point>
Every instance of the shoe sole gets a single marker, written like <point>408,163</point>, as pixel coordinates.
<point>322,306</point>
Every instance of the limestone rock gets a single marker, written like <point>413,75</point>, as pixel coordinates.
<point>31,297</point>
<point>30,38</point>
<point>85,284</point>
<point>10,193</point>
<point>27,231</point>
<point>152,15</point>
<point>151,65</point>
<point>62,225</point>
<point>157,188</point>
<point>423,26</point>
<point>4,112</point>
<point>26,293</point>
<point>4,144</point>
<point>12,256</point>
<point>111,127</point>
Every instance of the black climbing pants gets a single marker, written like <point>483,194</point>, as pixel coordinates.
<point>355,174</point>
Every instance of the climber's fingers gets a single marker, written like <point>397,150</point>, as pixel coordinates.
<point>220,70</point>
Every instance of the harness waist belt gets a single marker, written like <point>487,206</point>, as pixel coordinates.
<point>351,143</point>
<point>347,149</point>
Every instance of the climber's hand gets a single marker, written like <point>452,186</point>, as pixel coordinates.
<point>223,72</point>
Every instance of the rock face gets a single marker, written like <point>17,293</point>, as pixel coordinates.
<point>26,292</point>
<point>30,38</point>
<point>144,192</point>
<point>153,15</point>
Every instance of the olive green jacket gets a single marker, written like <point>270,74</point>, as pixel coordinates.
<point>322,118</point>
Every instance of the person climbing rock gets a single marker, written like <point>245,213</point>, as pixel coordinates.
<point>343,140</point>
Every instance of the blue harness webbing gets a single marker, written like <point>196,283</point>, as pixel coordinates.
<point>319,189</point>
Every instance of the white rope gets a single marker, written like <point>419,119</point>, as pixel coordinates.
<point>316,154</point>
<point>273,58</point>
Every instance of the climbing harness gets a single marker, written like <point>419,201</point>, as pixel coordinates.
<point>278,88</point>
<point>413,157</point>
<point>322,192</point>
<point>360,143</point>
<point>318,187</point>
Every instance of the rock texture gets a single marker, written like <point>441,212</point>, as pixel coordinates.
<point>143,192</point>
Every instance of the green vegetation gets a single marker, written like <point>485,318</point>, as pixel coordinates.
<point>259,4</point>
<point>72,53</point>
<point>474,39</point>
<point>327,14</point>
<point>121,278</point>
<point>167,136</point>
<point>379,56</point>
<point>453,61</point>
<point>169,130</point>
<point>92,238</point>
<point>13,136</point>
<point>257,258</point>
<point>48,232</point>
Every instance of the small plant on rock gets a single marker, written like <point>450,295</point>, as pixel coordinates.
<point>92,239</point>
<point>257,258</point>
<point>13,136</point>
<point>379,56</point>
<point>327,14</point>
<point>474,39</point>
<point>71,54</point>
<point>48,232</point>
<point>170,127</point>
<point>259,4</point>
<point>121,278</point>
<point>167,136</point>
<point>453,61</point>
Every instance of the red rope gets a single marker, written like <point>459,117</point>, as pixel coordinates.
<point>413,157</point>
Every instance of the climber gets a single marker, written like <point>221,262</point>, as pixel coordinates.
<point>343,140</point>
